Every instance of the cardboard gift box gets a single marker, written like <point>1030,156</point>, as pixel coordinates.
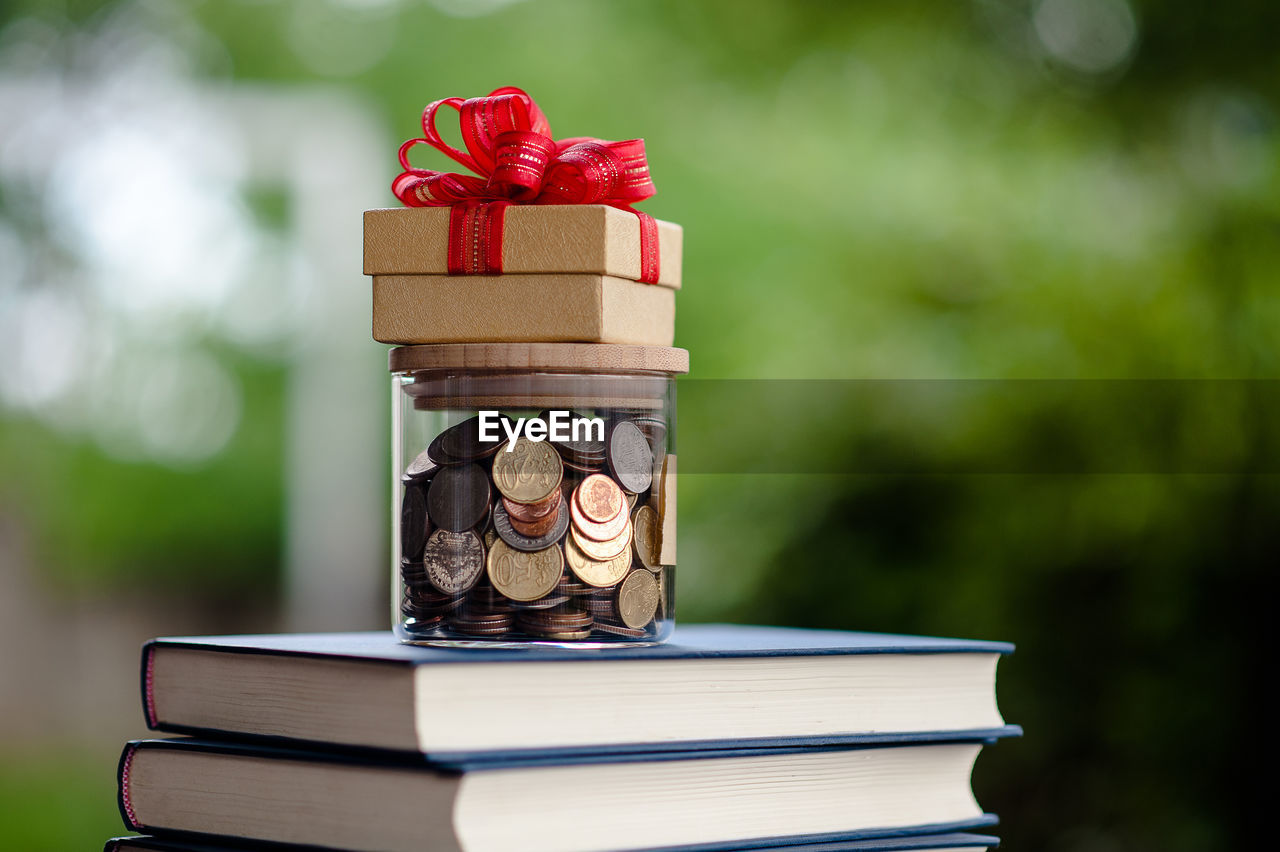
<point>537,239</point>
<point>569,275</point>
<point>410,309</point>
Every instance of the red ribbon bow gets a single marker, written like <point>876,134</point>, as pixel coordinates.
<point>509,146</point>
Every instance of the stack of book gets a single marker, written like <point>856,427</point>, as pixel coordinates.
<point>727,738</point>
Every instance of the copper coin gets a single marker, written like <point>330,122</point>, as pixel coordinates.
<point>527,513</point>
<point>604,551</point>
<point>599,498</point>
<point>508,533</point>
<point>607,531</point>
<point>535,529</point>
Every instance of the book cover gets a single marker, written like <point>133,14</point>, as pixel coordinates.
<point>672,800</point>
<point>715,686</point>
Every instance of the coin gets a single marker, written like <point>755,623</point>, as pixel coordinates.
<point>609,530</point>
<point>458,497</point>
<point>619,630</point>
<point>542,603</point>
<point>595,573</point>
<point>582,469</point>
<point>644,539</point>
<point>527,513</point>
<point>638,599</point>
<point>461,443</point>
<point>556,619</point>
<point>630,458</point>
<point>527,471</point>
<point>453,560</point>
<point>506,532</point>
<point>573,587</point>
<point>584,449</point>
<point>524,575</point>
<point>465,625</point>
<point>619,545</point>
<point>421,468</point>
<point>655,430</point>
<point>535,529</point>
<point>414,526</point>
<point>539,527</point>
<point>599,498</point>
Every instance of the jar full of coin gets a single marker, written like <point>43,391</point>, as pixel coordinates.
<point>534,493</point>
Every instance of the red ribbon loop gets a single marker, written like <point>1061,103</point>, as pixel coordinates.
<point>509,146</point>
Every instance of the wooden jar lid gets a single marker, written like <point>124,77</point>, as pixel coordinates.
<point>567,357</point>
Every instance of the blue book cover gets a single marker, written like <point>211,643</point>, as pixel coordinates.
<point>221,788</point>
<point>714,686</point>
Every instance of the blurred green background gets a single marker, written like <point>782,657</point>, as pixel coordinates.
<point>988,189</point>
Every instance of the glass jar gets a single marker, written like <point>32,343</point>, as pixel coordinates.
<point>534,493</point>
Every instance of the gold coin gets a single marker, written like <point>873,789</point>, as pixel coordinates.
<point>604,550</point>
<point>645,536</point>
<point>524,575</point>
<point>638,599</point>
<point>595,572</point>
<point>529,473</point>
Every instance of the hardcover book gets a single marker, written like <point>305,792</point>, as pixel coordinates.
<point>714,686</point>
<point>720,799</point>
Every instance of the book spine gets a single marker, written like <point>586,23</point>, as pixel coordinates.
<point>124,800</point>
<point>148,684</point>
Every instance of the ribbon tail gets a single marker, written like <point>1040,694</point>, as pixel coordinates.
<point>650,257</point>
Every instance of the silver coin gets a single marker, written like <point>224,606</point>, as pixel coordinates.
<point>454,560</point>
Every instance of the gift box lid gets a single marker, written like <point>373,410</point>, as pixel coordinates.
<point>536,239</point>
